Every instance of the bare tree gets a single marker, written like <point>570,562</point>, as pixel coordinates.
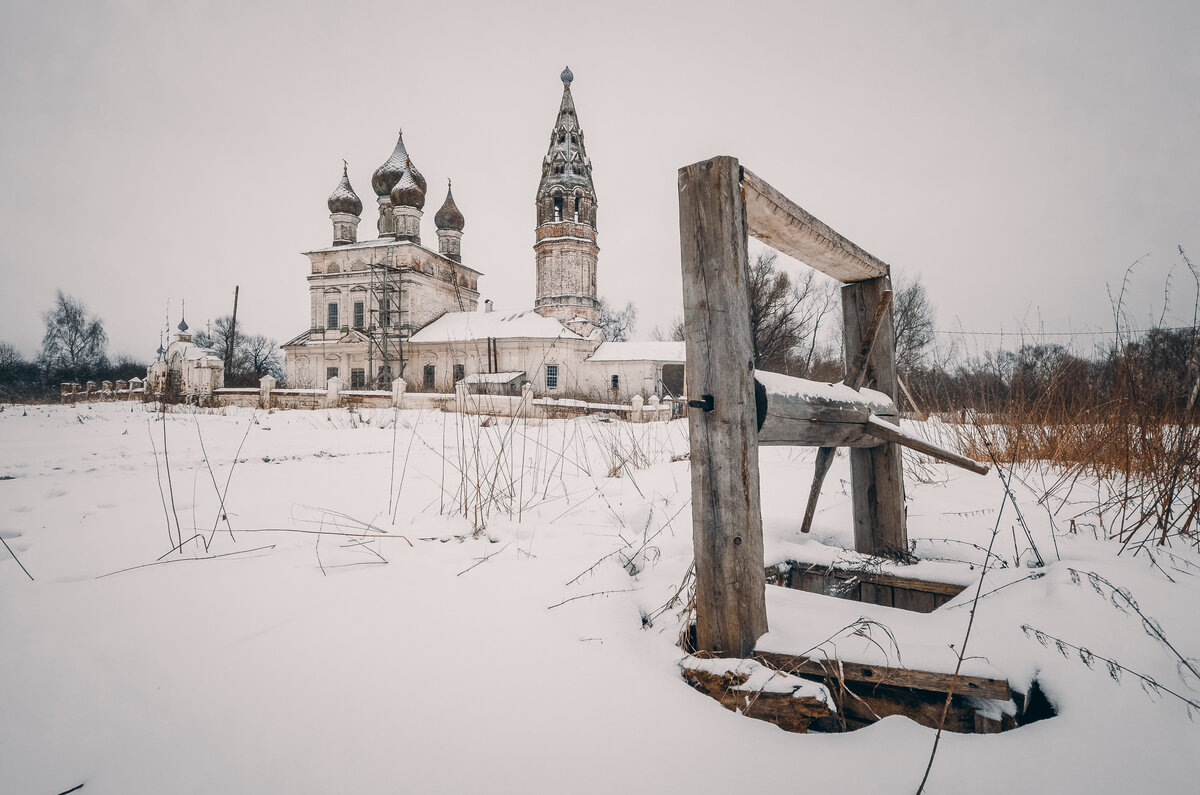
<point>912,315</point>
<point>249,356</point>
<point>221,338</point>
<point>74,343</point>
<point>617,325</point>
<point>672,333</point>
<point>786,315</point>
<point>259,356</point>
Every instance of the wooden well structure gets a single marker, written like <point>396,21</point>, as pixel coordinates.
<point>722,204</point>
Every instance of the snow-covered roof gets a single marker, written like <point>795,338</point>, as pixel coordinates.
<point>469,326</point>
<point>639,352</point>
<point>190,351</point>
<point>493,378</point>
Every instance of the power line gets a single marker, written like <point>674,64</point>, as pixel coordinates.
<point>1057,333</point>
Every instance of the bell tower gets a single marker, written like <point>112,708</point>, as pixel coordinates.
<point>565,238</point>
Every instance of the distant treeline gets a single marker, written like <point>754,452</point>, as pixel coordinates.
<point>1159,370</point>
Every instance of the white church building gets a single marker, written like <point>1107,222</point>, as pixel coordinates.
<point>392,306</point>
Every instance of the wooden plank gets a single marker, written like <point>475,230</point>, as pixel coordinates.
<point>783,709</point>
<point>785,226</point>
<point>809,421</point>
<point>948,589</point>
<point>875,594</point>
<point>866,704</point>
<point>977,686</point>
<point>914,600</point>
<point>876,474</point>
<point>890,433</point>
<point>731,611</point>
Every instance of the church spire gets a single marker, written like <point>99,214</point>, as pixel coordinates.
<point>566,165</point>
<point>566,222</point>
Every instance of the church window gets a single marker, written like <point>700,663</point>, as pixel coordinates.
<point>576,208</point>
<point>385,312</point>
<point>558,208</point>
<point>331,320</point>
<point>430,376</point>
<point>460,372</point>
<point>358,314</point>
<point>616,382</point>
<point>552,376</point>
<point>573,139</point>
<point>331,372</point>
<point>561,138</point>
<point>358,378</point>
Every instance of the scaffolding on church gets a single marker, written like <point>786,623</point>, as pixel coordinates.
<point>386,329</point>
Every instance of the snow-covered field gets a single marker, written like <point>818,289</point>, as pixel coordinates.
<point>347,630</point>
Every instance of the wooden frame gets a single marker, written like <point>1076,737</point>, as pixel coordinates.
<point>720,205</point>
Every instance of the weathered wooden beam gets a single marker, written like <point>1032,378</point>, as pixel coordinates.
<point>856,371</point>
<point>820,470</point>
<point>785,226</point>
<point>798,412</point>
<point>874,577</point>
<point>801,413</point>
<point>731,611</point>
<point>978,686</point>
<point>786,710</point>
<point>890,433</point>
<point>876,474</point>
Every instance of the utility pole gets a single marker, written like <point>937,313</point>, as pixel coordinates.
<point>232,341</point>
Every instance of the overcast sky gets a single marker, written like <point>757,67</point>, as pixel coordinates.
<point>1018,157</point>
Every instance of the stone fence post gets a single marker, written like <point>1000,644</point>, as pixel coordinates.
<point>636,414</point>
<point>333,393</point>
<point>526,408</point>
<point>265,385</point>
<point>398,388</point>
<point>460,398</point>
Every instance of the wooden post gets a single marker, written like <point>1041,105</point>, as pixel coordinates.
<point>731,611</point>
<point>876,473</point>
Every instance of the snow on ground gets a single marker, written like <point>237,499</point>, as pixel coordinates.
<point>515,661</point>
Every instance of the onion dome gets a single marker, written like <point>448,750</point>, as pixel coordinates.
<point>344,199</point>
<point>407,192</point>
<point>183,326</point>
<point>449,217</point>
<point>387,175</point>
<point>566,75</point>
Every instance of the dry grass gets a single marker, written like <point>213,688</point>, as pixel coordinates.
<point>1138,462</point>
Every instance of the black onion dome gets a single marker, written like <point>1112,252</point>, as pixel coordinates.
<point>566,75</point>
<point>449,217</point>
<point>344,199</point>
<point>408,192</point>
<point>387,175</point>
<point>420,180</point>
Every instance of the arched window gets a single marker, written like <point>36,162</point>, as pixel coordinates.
<point>577,206</point>
<point>558,208</point>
